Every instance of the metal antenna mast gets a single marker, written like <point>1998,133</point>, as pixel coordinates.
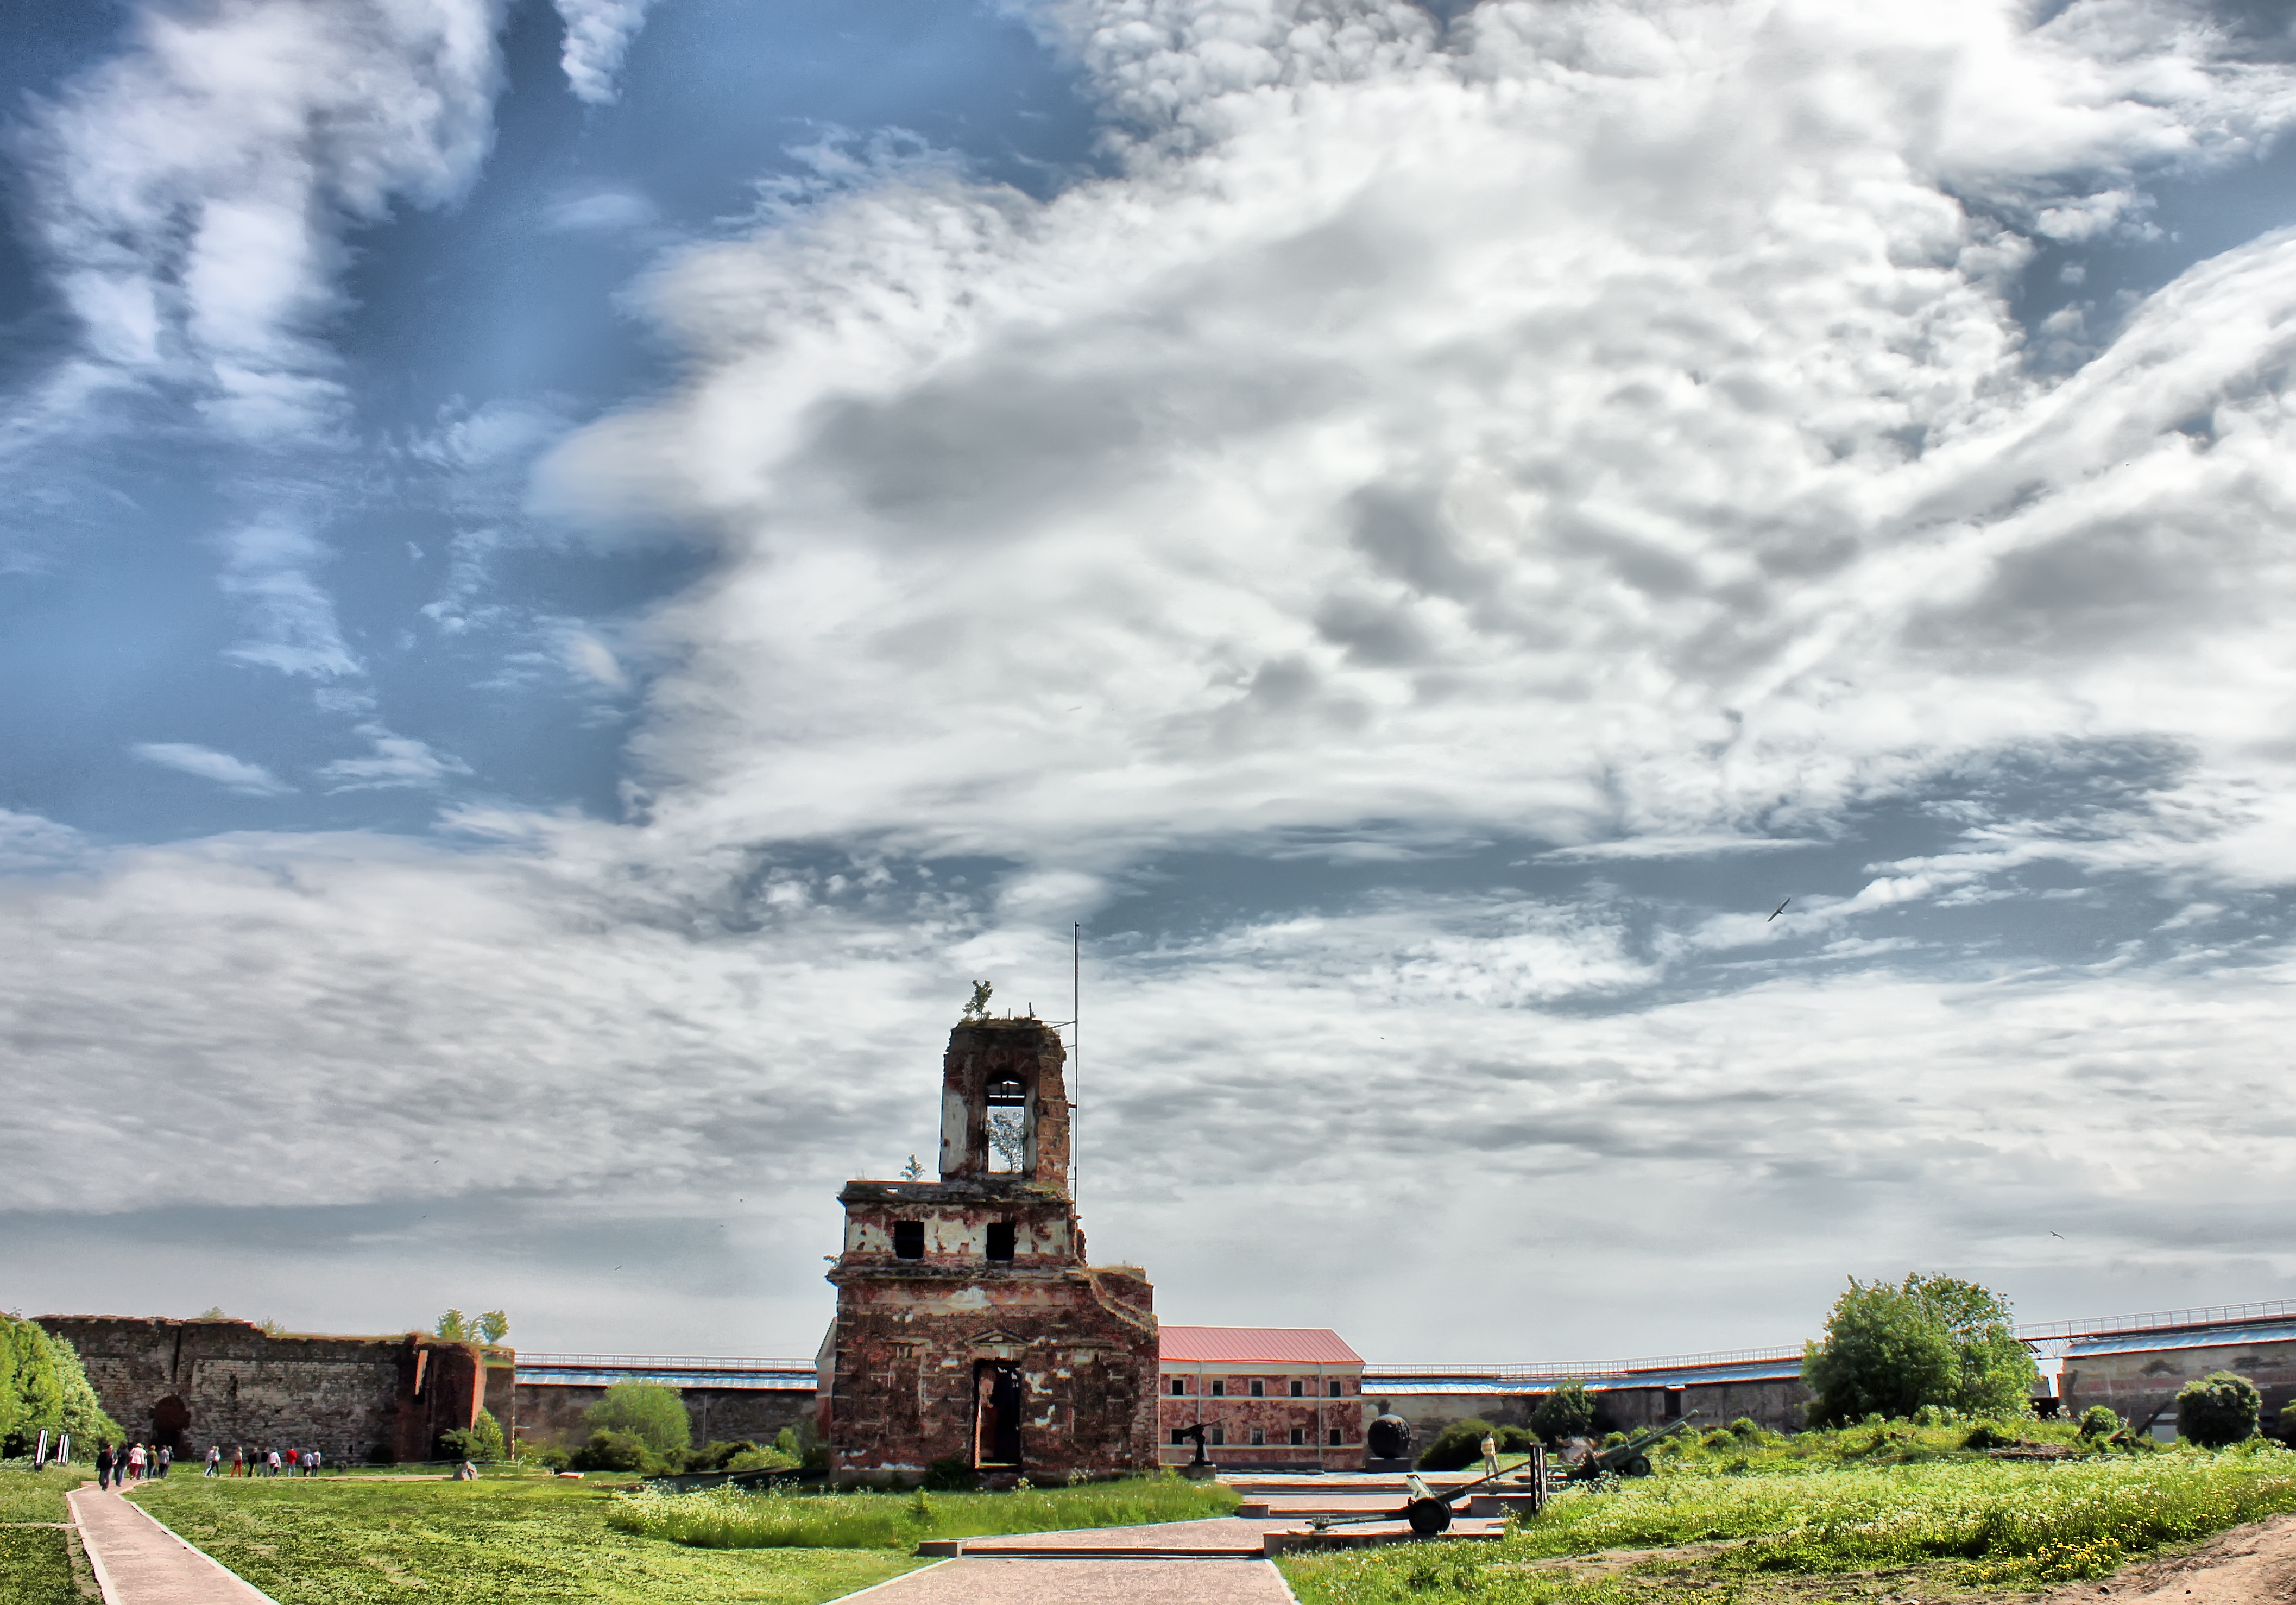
<point>1076,1061</point>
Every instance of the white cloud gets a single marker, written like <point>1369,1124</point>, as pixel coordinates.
<point>232,774</point>
<point>267,570</point>
<point>191,194</point>
<point>1616,427</point>
<point>392,763</point>
<point>598,35</point>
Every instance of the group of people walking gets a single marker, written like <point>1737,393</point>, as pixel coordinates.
<point>264,1462</point>
<point>131,1463</point>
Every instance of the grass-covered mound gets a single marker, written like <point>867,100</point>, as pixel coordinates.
<point>1983,1525</point>
<point>731,1519</point>
<point>29,1495</point>
<point>496,1541</point>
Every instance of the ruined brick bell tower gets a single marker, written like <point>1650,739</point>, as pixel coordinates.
<point>969,1327</point>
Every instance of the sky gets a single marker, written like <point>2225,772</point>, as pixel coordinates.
<point>1642,640</point>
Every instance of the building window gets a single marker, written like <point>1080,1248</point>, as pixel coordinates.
<point>1219,1438</point>
<point>1335,1391</point>
<point>1179,1387</point>
<point>908,1240</point>
<point>1336,1437</point>
<point>1219,1388</point>
<point>1007,1117</point>
<point>1259,1438</point>
<point>1674,1404</point>
<point>1299,1437</point>
<point>1298,1388</point>
<point>1000,1241</point>
<point>1259,1388</point>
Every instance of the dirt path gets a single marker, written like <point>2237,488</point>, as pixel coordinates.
<point>2252,1565</point>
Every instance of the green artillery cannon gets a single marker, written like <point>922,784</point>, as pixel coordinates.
<point>1629,1459</point>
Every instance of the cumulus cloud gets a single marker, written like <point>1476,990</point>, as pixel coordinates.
<point>1600,428</point>
<point>191,194</point>
<point>598,35</point>
<point>1600,424</point>
<point>232,774</point>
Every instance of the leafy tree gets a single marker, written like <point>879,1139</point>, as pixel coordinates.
<point>653,1414</point>
<point>2219,1409</point>
<point>456,1327</point>
<point>2099,1421</point>
<point>481,1443</point>
<point>43,1386</point>
<point>612,1452</point>
<point>1889,1350</point>
<point>1568,1412</point>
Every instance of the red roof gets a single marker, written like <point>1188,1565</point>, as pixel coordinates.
<point>1255,1345</point>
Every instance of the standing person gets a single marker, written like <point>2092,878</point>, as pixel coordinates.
<point>166,1459</point>
<point>215,1459</point>
<point>310,1463</point>
<point>103,1466</point>
<point>271,1463</point>
<point>135,1464</point>
<point>1490,1456</point>
<point>239,1460</point>
<point>294,1462</point>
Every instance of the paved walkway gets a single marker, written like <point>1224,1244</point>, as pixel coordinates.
<point>970,1582</point>
<point>139,1562</point>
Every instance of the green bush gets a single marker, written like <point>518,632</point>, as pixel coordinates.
<point>614,1452</point>
<point>1567,1412</point>
<point>1888,1351</point>
<point>2219,1409</point>
<point>648,1411</point>
<point>2099,1422</point>
<point>481,1443</point>
<point>1517,1440</point>
<point>952,1473</point>
<point>1460,1444</point>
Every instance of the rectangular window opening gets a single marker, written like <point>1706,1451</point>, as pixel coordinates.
<point>1259,1438</point>
<point>1259,1388</point>
<point>1005,1122</point>
<point>1335,1391</point>
<point>1219,1388</point>
<point>1179,1387</point>
<point>1336,1437</point>
<point>1219,1438</point>
<point>1298,1388</point>
<point>1299,1437</point>
<point>1000,1241</point>
<point>908,1240</point>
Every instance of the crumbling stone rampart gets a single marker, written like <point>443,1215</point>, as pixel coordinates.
<point>191,1383</point>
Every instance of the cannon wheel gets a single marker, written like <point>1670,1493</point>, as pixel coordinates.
<point>1428,1517</point>
<point>1639,1466</point>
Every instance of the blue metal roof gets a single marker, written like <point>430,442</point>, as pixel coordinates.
<point>2243,1336</point>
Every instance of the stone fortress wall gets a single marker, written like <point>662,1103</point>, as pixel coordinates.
<point>188,1384</point>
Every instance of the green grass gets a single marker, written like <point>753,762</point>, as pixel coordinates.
<point>36,1568</point>
<point>505,1541</point>
<point>1960,1526</point>
<point>730,1518</point>
<point>29,1495</point>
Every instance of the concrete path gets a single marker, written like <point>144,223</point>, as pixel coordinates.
<point>139,1562</point>
<point>970,1582</point>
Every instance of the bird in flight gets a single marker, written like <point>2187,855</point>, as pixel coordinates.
<point>2059,1235</point>
<point>1780,909</point>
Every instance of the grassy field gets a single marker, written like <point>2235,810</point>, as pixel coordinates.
<point>728,1518</point>
<point>36,1562</point>
<point>1820,1528</point>
<point>506,1541</point>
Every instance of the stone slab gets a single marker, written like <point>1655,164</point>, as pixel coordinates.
<point>137,1561</point>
